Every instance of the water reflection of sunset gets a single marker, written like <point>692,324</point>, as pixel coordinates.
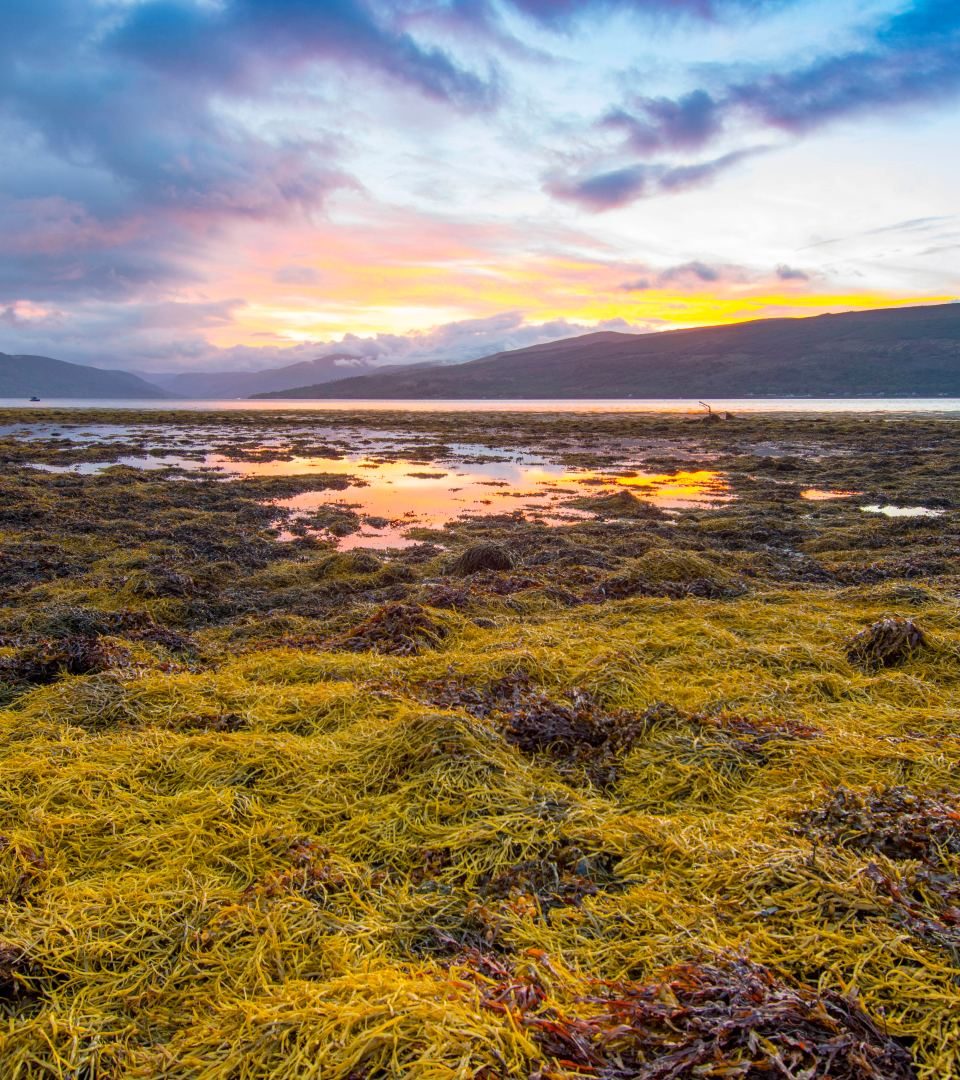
<point>408,493</point>
<point>685,487</point>
<point>825,494</point>
<point>395,489</point>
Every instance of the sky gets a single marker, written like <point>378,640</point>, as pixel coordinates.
<point>236,184</point>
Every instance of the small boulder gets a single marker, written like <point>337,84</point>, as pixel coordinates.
<point>397,629</point>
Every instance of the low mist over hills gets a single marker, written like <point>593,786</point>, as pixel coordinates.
<point>898,352</point>
<point>26,376</point>
<point>230,384</point>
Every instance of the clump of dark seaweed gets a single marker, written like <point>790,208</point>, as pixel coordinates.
<point>925,902</point>
<point>624,586</point>
<point>45,661</point>
<point>29,561</point>
<point>22,868</point>
<point>221,722</point>
<point>620,504</point>
<point>901,825</point>
<point>504,584</point>
<point>577,732</point>
<point>397,628</point>
<point>167,638</point>
<point>66,620</point>
<point>757,731</point>
<point>160,581</point>
<point>16,973</point>
<point>502,987</point>
<point>672,574</point>
<point>888,642</point>
<point>485,556</point>
<point>894,822</point>
<point>454,597</point>
<point>563,875</point>
<point>731,1018</point>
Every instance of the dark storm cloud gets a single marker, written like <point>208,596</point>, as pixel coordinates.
<point>52,249</point>
<point>134,90</point>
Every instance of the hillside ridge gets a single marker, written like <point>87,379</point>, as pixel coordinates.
<point>913,351</point>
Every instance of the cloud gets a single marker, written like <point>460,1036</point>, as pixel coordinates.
<point>695,274</point>
<point>657,124</point>
<point>898,73</point>
<point>698,270</point>
<point>619,187</point>
<point>161,152</point>
<point>129,139</point>
<point>560,14</point>
<point>918,230</point>
<point>789,273</point>
<point>912,59</point>
<point>243,42</point>
<point>469,339</point>
<point>165,337</point>
<point>53,249</point>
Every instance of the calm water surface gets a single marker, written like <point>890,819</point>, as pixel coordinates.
<point>681,405</point>
<point>393,496</point>
<point>399,481</point>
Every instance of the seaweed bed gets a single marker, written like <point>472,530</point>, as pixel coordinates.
<point>633,795</point>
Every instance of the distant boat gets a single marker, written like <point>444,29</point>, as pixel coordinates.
<point>34,398</point>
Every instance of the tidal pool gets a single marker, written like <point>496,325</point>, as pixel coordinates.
<point>824,494</point>
<point>397,481</point>
<point>397,496</point>
<point>395,485</point>
<point>903,511</point>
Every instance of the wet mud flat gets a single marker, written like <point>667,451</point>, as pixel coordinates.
<point>479,745</point>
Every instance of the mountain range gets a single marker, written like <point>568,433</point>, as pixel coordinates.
<point>911,351</point>
<point>24,376</point>
<point>233,384</point>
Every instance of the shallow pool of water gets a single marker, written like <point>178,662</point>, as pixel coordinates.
<point>404,494</point>
<point>393,494</point>
<point>824,494</point>
<point>903,511</point>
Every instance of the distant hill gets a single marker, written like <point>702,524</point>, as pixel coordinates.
<point>233,384</point>
<point>26,376</point>
<point>897,352</point>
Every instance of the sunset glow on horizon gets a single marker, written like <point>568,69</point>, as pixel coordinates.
<point>216,184</point>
